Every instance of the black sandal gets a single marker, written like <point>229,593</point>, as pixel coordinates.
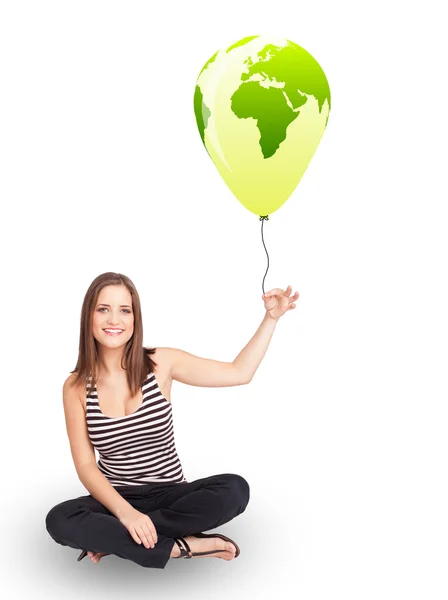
<point>219,535</point>
<point>187,553</point>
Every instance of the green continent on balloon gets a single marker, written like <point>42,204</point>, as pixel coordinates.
<point>273,101</point>
<point>209,62</point>
<point>295,67</point>
<point>202,112</point>
<point>242,42</point>
<point>268,107</point>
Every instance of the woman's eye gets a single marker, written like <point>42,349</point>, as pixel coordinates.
<point>104,308</point>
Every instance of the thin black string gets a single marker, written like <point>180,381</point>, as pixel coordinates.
<point>263,219</point>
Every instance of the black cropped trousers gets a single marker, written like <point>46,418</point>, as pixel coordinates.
<point>176,509</point>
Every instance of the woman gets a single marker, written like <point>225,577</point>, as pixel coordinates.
<point>117,401</point>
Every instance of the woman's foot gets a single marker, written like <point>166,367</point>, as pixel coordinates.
<point>228,550</point>
<point>96,556</point>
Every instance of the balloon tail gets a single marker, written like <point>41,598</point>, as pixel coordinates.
<point>263,219</point>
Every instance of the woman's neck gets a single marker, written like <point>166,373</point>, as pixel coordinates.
<point>109,363</point>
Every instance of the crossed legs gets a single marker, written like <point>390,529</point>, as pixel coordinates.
<point>177,510</point>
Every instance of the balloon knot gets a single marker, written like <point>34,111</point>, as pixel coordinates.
<point>265,218</point>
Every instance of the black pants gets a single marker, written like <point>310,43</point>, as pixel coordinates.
<point>176,509</point>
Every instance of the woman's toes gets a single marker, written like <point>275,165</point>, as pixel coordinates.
<point>95,556</point>
<point>226,547</point>
<point>230,548</point>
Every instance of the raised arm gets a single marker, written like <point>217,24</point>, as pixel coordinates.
<point>205,372</point>
<point>202,372</point>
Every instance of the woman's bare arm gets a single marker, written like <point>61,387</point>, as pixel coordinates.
<point>102,490</point>
<point>83,454</point>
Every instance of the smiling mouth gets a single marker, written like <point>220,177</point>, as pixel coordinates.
<point>113,332</point>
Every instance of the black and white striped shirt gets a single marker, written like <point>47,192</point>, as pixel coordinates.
<point>138,448</point>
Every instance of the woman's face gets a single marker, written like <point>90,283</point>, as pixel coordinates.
<point>113,310</point>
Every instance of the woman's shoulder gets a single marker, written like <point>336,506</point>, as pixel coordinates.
<point>75,389</point>
<point>70,382</point>
<point>163,358</point>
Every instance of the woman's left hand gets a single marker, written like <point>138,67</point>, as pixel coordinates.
<point>277,302</point>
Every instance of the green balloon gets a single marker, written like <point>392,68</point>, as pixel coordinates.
<point>261,107</point>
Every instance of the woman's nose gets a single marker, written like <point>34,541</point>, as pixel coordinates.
<point>113,320</point>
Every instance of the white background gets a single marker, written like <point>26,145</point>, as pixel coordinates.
<point>342,432</point>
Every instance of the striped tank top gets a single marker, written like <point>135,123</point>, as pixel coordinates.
<point>138,448</point>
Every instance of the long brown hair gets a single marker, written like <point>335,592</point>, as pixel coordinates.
<point>136,358</point>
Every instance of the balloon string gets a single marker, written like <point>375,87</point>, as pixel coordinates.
<point>263,219</point>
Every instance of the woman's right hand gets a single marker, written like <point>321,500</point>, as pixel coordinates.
<point>140,527</point>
